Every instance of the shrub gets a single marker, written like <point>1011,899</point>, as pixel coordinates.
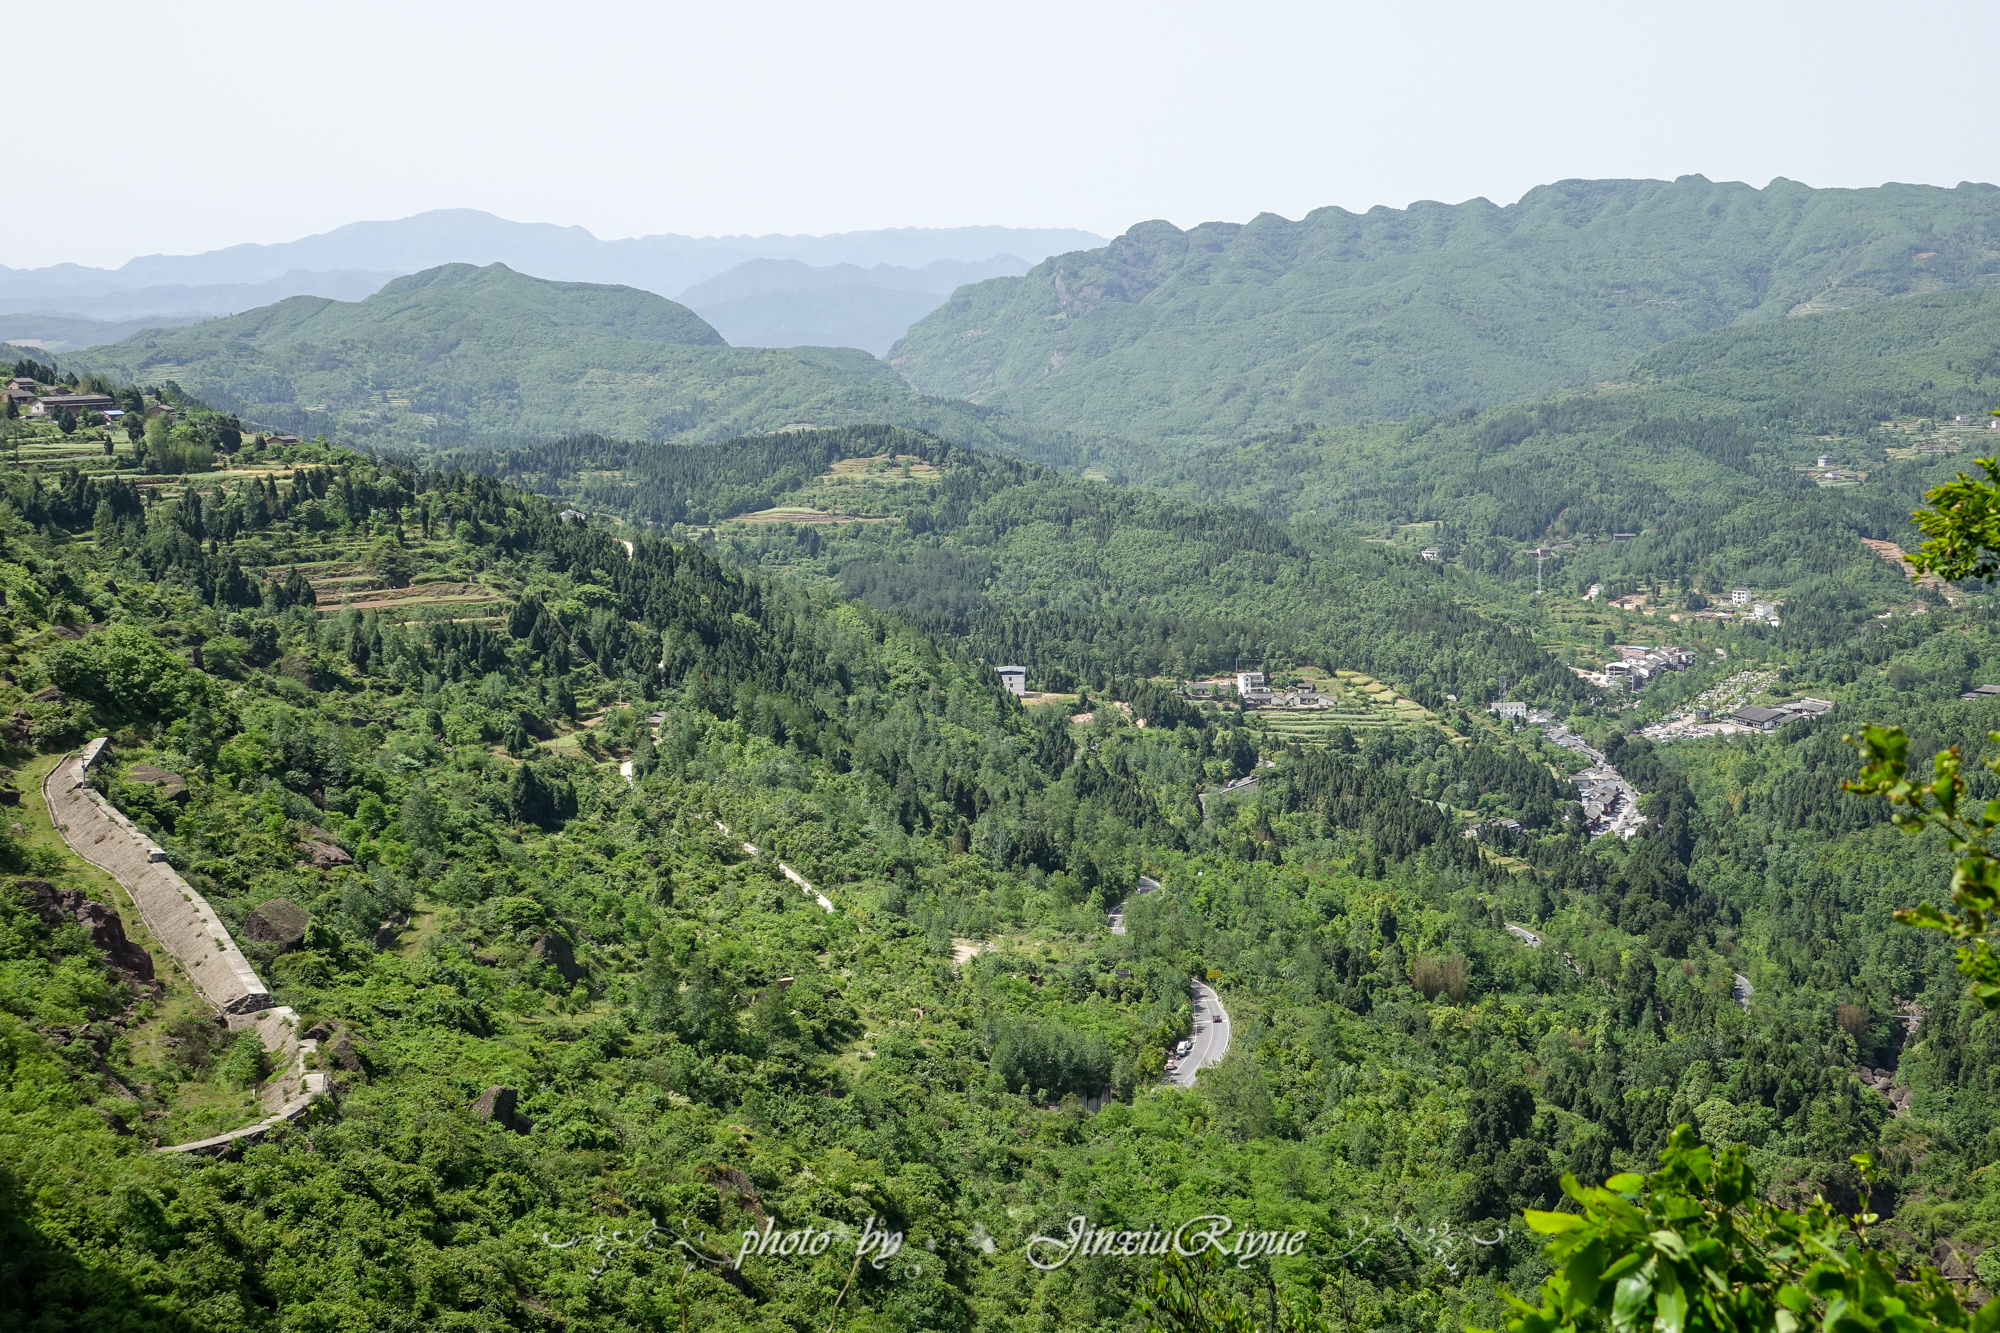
<point>128,675</point>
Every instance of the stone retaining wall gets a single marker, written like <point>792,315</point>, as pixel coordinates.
<point>189,929</point>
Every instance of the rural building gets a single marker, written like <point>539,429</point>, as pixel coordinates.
<point>1981,692</point>
<point>1515,712</point>
<point>75,402</point>
<point>1250,685</point>
<point>1770,719</point>
<point>1740,597</point>
<point>1015,678</point>
<point>1432,554</point>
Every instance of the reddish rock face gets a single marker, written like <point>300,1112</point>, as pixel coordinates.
<point>103,924</point>
<point>325,855</point>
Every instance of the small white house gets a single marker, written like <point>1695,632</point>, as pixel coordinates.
<point>1825,460</point>
<point>1015,678</point>
<point>1250,685</point>
<point>1740,597</point>
<point>1513,712</point>
<point>1432,553</point>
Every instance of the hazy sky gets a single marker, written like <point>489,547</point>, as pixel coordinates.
<point>216,123</point>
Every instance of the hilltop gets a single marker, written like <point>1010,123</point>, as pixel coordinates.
<point>460,353</point>
<point>1172,339</point>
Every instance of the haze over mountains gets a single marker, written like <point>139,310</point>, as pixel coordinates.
<point>1173,338</point>
<point>786,303</point>
<point>351,262</point>
<point>1154,346</point>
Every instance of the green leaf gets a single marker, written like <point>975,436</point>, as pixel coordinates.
<point>1551,1224</point>
<point>1625,1183</point>
<point>1634,1291</point>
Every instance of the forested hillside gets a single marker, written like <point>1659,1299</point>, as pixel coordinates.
<point>671,789</point>
<point>1080,581</point>
<point>699,1045</point>
<point>1171,339</point>
<point>458,354</point>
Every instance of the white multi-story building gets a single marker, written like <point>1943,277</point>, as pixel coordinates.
<point>1250,685</point>
<point>1740,597</point>
<point>1014,678</point>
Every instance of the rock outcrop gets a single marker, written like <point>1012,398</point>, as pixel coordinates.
<point>324,855</point>
<point>553,949</point>
<point>280,922</point>
<point>497,1104</point>
<point>103,924</point>
<point>171,785</point>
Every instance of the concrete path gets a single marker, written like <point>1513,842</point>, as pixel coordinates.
<point>188,928</point>
<point>1116,916</point>
<point>783,869</point>
<point>1211,1036</point>
<point>1742,990</point>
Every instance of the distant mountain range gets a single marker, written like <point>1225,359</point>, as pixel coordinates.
<point>786,303</point>
<point>353,261</point>
<point>1146,350</point>
<point>1177,339</point>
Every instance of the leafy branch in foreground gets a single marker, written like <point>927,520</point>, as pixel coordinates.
<point>1962,526</point>
<point>1691,1247</point>
<point>1941,804</point>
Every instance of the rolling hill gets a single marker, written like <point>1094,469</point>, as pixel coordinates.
<point>1173,339</point>
<point>462,354</point>
<point>352,261</point>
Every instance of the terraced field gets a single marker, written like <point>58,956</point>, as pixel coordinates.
<point>1365,704</point>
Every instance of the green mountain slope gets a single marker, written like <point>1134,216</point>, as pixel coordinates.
<point>458,353</point>
<point>1174,338</point>
<point>699,1047</point>
<point>405,701</point>
<point>1706,449</point>
<point>1082,582</point>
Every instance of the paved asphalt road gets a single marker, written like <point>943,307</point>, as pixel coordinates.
<point>1211,1036</point>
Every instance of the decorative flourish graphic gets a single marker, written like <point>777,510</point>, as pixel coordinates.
<point>607,1244</point>
<point>1437,1241</point>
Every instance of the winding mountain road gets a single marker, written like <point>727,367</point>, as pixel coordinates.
<point>1211,1036</point>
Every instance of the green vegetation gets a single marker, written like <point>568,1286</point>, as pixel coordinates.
<point>605,947</point>
<point>459,354</point>
<point>556,798</point>
<point>1704,456</point>
<point>1082,582</point>
<point>1169,340</point>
